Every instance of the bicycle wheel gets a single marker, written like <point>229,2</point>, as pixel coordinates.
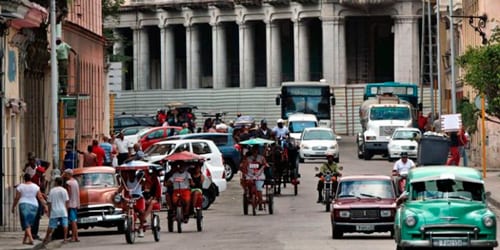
<point>245,204</point>
<point>180,219</point>
<point>129,230</point>
<point>254,204</point>
<point>155,226</point>
<point>170,220</point>
<point>199,220</point>
<point>270,203</point>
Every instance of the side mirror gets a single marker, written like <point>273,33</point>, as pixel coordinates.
<point>338,138</point>
<point>277,100</point>
<point>333,101</point>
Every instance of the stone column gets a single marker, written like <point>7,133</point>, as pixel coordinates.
<point>273,55</point>
<point>188,57</point>
<point>301,50</point>
<point>167,47</point>
<point>247,68</point>
<point>406,49</point>
<point>339,74</point>
<point>195,57</point>
<point>327,25</point>
<point>135,57</point>
<point>220,77</point>
<point>144,60</point>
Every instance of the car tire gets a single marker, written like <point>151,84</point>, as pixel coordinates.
<point>206,202</point>
<point>121,227</point>
<point>229,169</point>
<point>336,234</point>
<point>301,160</point>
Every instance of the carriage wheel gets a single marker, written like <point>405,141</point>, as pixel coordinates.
<point>295,189</point>
<point>179,218</point>
<point>156,227</point>
<point>199,220</point>
<point>130,230</point>
<point>245,204</point>
<point>270,200</point>
<point>170,220</point>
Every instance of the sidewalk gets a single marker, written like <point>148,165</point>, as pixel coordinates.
<point>13,240</point>
<point>492,185</point>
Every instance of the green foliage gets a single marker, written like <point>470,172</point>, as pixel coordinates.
<point>110,8</point>
<point>470,115</point>
<point>482,71</point>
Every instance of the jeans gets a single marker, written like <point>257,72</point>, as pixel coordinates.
<point>463,153</point>
<point>36,223</point>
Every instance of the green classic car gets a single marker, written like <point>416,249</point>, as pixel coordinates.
<point>444,206</point>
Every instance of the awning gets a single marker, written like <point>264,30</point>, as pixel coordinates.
<point>34,16</point>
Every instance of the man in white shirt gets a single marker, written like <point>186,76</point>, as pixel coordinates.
<point>401,168</point>
<point>58,200</point>
<point>280,131</point>
<point>122,146</point>
<point>74,202</point>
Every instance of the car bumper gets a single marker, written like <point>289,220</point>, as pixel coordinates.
<point>428,243</point>
<point>397,153</point>
<point>316,154</point>
<point>221,184</point>
<point>101,220</point>
<point>370,227</point>
<point>377,147</point>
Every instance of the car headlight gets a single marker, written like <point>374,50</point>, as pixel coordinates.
<point>344,214</point>
<point>488,221</point>
<point>394,146</point>
<point>411,221</point>
<point>371,138</point>
<point>385,213</point>
<point>117,198</point>
<point>332,147</point>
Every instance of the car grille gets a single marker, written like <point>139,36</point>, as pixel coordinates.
<point>319,148</point>
<point>408,147</point>
<point>387,130</point>
<point>365,214</point>
<point>96,210</point>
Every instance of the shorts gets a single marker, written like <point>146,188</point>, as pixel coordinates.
<point>140,204</point>
<point>27,214</point>
<point>54,222</point>
<point>184,193</point>
<point>72,214</point>
<point>259,185</point>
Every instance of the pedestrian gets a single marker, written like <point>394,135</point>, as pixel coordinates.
<point>27,196</point>
<point>74,202</point>
<point>422,121</point>
<point>70,158</point>
<point>39,179</point>
<point>454,152</point>
<point>108,149</point>
<point>58,201</point>
<point>99,152</point>
<point>29,167</point>
<point>62,50</point>
<point>89,158</point>
<point>122,147</point>
<point>463,140</point>
<point>185,129</point>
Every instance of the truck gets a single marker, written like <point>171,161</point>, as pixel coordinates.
<point>386,106</point>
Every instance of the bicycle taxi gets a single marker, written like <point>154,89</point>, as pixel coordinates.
<point>139,189</point>
<point>254,176</point>
<point>184,195</point>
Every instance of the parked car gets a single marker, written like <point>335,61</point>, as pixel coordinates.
<point>130,120</point>
<point>156,134</point>
<point>316,142</point>
<point>444,207</point>
<point>403,140</point>
<point>225,143</point>
<point>97,192</point>
<point>363,204</point>
<point>133,130</point>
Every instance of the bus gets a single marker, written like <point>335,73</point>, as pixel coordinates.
<point>308,98</point>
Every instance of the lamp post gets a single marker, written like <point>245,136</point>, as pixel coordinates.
<point>452,61</point>
<point>54,76</point>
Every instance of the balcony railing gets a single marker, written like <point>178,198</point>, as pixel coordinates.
<point>366,3</point>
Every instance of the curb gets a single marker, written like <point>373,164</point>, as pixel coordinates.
<point>493,202</point>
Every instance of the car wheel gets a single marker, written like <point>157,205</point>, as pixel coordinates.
<point>336,234</point>
<point>206,202</point>
<point>228,169</point>
<point>301,160</point>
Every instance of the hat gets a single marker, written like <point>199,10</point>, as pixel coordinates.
<point>68,171</point>
<point>40,169</point>
<point>279,121</point>
<point>263,121</point>
<point>404,154</point>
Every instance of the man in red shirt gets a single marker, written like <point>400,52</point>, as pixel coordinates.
<point>99,152</point>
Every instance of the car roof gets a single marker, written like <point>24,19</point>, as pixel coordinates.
<point>183,140</point>
<point>196,135</point>
<point>365,177</point>
<point>444,172</point>
<point>318,128</point>
<point>99,169</point>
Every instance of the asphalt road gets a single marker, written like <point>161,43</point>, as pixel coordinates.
<point>297,223</point>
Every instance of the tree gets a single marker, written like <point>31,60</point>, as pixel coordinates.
<point>482,71</point>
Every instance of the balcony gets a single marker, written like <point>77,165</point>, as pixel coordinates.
<point>249,3</point>
<point>277,2</point>
<point>363,4</point>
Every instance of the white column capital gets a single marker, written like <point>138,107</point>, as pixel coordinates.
<point>400,19</point>
<point>333,19</point>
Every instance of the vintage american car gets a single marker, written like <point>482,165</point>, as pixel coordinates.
<point>97,192</point>
<point>364,204</point>
<point>444,206</point>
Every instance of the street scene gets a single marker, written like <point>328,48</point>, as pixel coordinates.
<point>276,124</point>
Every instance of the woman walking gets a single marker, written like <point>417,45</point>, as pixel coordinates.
<point>27,194</point>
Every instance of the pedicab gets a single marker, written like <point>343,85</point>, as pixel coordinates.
<point>142,173</point>
<point>250,195</point>
<point>177,201</point>
<point>284,155</point>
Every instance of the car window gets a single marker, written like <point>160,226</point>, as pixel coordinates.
<point>128,122</point>
<point>219,140</point>
<point>96,180</point>
<point>159,149</point>
<point>182,147</point>
<point>147,121</point>
<point>447,189</point>
<point>159,133</point>
<point>404,135</point>
<point>201,148</point>
<point>318,135</point>
<point>366,188</point>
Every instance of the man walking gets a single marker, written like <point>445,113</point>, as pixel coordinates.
<point>58,210</point>
<point>74,202</point>
<point>108,148</point>
<point>122,147</point>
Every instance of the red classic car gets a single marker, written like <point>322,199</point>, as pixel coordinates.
<point>364,204</point>
<point>156,134</point>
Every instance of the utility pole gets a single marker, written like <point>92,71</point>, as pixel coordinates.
<point>54,76</point>
<point>431,54</point>
<point>452,60</point>
<point>438,32</point>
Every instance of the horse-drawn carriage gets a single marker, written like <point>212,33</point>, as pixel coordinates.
<point>282,156</point>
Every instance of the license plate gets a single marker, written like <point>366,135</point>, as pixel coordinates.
<point>450,242</point>
<point>365,227</point>
<point>88,220</point>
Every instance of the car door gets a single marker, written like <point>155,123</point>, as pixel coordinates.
<point>203,148</point>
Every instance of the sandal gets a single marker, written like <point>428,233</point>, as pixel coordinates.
<point>72,240</point>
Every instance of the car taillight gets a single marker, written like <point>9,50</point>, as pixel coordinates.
<point>208,173</point>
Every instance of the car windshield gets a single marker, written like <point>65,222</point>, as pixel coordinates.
<point>318,135</point>
<point>390,113</point>
<point>446,189</point>
<point>96,180</point>
<point>160,149</point>
<point>380,189</point>
<point>299,126</point>
<point>405,135</point>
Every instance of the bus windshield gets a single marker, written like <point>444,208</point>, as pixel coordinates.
<point>308,100</point>
<point>390,113</point>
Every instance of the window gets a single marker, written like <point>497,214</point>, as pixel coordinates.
<point>159,149</point>
<point>156,134</point>
<point>128,122</point>
<point>182,147</point>
<point>447,189</point>
<point>96,179</point>
<point>366,188</point>
<point>201,148</point>
<point>318,135</point>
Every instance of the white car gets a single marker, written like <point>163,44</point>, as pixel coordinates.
<point>315,143</point>
<point>206,148</point>
<point>403,140</point>
<point>134,138</point>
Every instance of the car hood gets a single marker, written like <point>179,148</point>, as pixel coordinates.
<point>325,143</point>
<point>447,211</point>
<point>363,203</point>
<point>95,196</point>
<point>295,136</point>
<point>403,142</point>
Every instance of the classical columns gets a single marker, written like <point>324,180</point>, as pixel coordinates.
<point>219,52</point>
<point>193,57</point>
<point>167,47</point>
<point>273,54</point>
<point>338,56</point>
<point>144,60</point>
<point>327,25</point>
<point>247,67</point>
<point>301,50</point>
<point>135,57</point>
<point>406,49</point>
